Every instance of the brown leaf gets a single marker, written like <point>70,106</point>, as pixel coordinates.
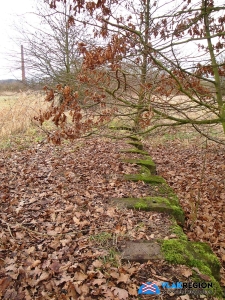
<point>160,277</point>
<point>4,283</point>
<point>186,272</point>
<point>55,266</point>
<point>55,244</point>
<point>65,241</point>
<point>123,278</point>
<point>45,295</point>
<point>84,289</point>
<point>196,270</point>
<point>131,270</point>
<point>205,277</point>
<point>108,294</point>
<point>99,281</point>
<point>132,290</point>
<point>32,200</point>
<point>52,232</point>
<point>185,297</point>
<point>76,220</point>
<point>114,274</point>
<point>110,212</point>
<point>64,278</point>
<point>97,264</point>
<point>19,235</point>
<point>120,293</point>
<point>222,196</point>
<point>35,263</point>
<point>53,216</point>
<point>100,210</point>
<point>80,276</point>
<point>223,281</point>
<point>30,250</point>
<point>71,291</point>
<point>44,276</point>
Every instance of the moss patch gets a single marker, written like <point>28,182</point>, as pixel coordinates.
<point>158,204</point>
<point>147,163</point>
<point>134,138</point>
<point>164,190</point>
<point>136,144</point>
<point>147,178</point>
<point>193,254</point>
<point>176,229</point>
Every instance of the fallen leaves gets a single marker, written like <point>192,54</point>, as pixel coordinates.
<point>59,236</point>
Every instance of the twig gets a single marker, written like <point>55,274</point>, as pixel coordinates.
<point>46,234</point>
<point>10,231</point>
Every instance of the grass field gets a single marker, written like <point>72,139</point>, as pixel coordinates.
<point>17,125</point>
<point>16,115</point>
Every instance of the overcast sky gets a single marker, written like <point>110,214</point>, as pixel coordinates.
<point>10,13</point>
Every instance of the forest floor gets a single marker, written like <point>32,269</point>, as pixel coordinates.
<point>61,238</point>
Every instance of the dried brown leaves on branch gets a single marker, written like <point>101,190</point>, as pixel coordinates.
<point>71,118</point>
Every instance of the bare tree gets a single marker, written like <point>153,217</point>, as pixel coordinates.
<point>50,45</point>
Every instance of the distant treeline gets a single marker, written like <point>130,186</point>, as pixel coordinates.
<point>11,85</point>
<point>14,85</point>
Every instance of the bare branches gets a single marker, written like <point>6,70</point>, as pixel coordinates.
<point>155,69</point>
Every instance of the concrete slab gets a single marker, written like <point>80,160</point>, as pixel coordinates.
<point>141,251</point>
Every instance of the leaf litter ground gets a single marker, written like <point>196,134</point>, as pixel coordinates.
<point>60,238</point>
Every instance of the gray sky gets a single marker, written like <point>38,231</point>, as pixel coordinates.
<point>10,13</point>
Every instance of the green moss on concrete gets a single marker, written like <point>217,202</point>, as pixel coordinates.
<point>147,164</point>
<point>142,205</point>
<point>145,171</point>
<point>164,190</point>
<point>134,151</point>
<point>176,229</point>
<point>147,178</point>
<point>136,144</point>
<point>134,138</point>
<point>193,254</point>
<point>158,204</point>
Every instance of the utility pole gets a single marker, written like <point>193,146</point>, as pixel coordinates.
<point>23,65</point>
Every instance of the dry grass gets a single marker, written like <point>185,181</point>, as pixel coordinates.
<point>17,111</point>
